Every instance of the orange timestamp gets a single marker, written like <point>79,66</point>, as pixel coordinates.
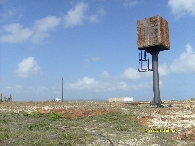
<point>157,130</point>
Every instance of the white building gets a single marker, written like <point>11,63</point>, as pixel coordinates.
<point>57,99</point>
<point>120,99</point>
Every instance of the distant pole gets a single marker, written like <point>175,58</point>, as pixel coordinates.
<point>62,89</point>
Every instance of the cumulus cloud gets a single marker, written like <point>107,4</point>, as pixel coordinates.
<point>121,85</point>
<point>27,68</point>
<point>39,31</point>
<point>182,7</point>
<point>133,74</point>
<point>185,63</point>
<point>142,85</point>
<point>163,70</point>
<point>95,17</point>
<point>43,26</point>
<point>85,83</point>
<point>105,74</point>
<point>75,16</point>
<point>91,84</point>
<point>16,33</point>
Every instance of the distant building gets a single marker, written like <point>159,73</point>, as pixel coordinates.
<point>57,99</point>
<point>120,99</point>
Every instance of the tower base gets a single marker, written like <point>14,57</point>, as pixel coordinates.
<point>156,104</point>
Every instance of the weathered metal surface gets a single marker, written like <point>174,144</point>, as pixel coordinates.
<point>156,89</point>
<point>153,33</point>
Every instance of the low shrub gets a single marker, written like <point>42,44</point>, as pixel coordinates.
<point>35,114</point>
<point>54,116</point>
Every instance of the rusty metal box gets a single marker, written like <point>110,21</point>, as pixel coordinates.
<point>153,33</point>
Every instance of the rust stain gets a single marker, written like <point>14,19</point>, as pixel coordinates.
<point>153,31</point>
<point>188,135</point>
<point>143,121</point>
<point>76,113</point>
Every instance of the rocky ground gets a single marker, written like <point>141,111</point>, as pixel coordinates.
<point>180,118</point>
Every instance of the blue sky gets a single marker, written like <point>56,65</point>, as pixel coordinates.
<point>92,44</point>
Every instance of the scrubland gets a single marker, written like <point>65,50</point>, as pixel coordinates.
<point>96,124</point>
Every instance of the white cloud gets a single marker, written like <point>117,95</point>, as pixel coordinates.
<point>186,61</point>
<point>16,33</point>
<point>160,84</point>
<point>95,17</point>
<point>75,16</point>
<point>105,74</point>
<point>39,31</point>
<point>133,74</point>
<point>121,85</point>
<point>163,70</point>
<point>142,85</point>
<point>42,26</point>
<point>27,68</point>
<point>101,11</point>
<point>92,85</point>
<point>182,7</point>
<point>85,83</point>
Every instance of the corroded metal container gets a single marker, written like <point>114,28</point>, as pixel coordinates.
<point>153,33</point>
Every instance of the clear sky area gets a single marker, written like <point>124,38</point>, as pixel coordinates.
<point>92,44</point>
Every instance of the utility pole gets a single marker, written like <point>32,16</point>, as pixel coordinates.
<point>62,89</point>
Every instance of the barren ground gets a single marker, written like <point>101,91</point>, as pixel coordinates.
<point>96,123</point>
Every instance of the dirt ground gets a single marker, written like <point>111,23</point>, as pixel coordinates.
<point>180,116</point>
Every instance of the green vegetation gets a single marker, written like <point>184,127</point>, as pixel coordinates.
<point>47,129</point>
<point>39,125</point>
<point>116,127</point>
<point>5,136</point>
<point>25,113</point>
<point>35,114</point>
<point>54,116</point>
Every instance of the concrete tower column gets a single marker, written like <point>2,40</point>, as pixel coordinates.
<point>156,99</point>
